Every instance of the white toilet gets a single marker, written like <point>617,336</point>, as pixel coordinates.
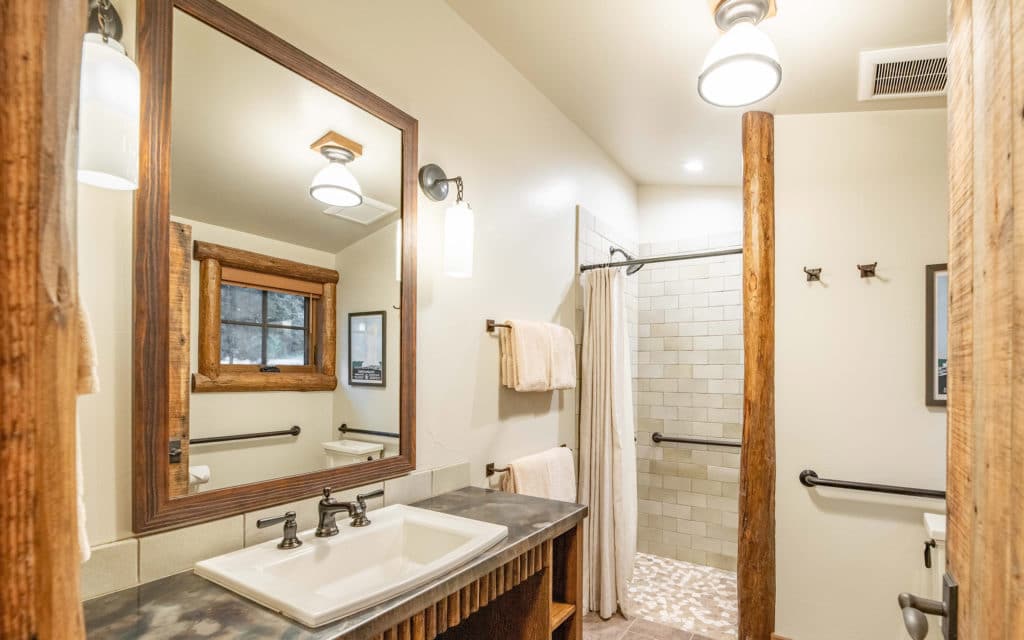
<point>345,452</point>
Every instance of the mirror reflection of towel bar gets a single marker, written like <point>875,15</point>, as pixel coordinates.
<point>490,469</point>
<point>294,431</point>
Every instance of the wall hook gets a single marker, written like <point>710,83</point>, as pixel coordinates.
<point>813,275</point>
<point>867,270</point>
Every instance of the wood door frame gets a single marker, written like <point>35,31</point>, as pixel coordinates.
<point>39,555</point>
<point>153,507</point>
<point>985,443</point>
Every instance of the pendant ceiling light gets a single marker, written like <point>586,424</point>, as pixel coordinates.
<point>108,109</point>
<point>743,66</point>
<point>334,184</point>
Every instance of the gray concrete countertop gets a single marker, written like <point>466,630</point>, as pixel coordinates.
<point>187,606</point>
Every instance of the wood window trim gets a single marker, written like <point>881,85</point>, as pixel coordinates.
<point>220,264</point>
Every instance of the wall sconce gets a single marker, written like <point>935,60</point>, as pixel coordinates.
<point>742,67</point>
<point>108,109</point>
<point>458,221</point>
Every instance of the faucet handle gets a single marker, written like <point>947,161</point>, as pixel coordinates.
<point>263,523</point>
<point>363,497</point>
<point>327,494</point>
<point>291,527</point>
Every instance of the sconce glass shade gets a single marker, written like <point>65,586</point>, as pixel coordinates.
<point>335,185</point>
<point>398,250</point>
<point>741,68</point>
<point>458,241</point>
<point>108,116</point>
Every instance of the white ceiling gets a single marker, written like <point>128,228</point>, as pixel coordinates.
<point>626,70</point>
<point>241,127</point>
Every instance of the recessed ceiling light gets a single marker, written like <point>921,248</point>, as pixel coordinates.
<point>693,166</point>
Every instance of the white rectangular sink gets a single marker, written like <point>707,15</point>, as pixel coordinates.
<point>327,579</point>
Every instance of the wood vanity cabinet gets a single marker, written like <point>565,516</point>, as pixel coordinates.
<point>536,595</point>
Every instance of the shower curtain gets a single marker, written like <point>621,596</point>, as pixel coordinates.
<point>607,444</point>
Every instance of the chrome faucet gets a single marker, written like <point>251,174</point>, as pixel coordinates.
<point>329,507</point>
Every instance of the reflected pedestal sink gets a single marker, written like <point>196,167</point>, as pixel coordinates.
<point>329,578</point>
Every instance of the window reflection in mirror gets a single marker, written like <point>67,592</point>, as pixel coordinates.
<point>246,138</point>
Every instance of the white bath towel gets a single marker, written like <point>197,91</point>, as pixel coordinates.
<point>563,357</point>
<point>549,474</point>
<point>531,352</point>
<point>88,382</point>
<point>197,475</point>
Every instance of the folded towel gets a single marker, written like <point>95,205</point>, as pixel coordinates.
<point>88,382</point>
<point>199,474</point>
<point>563,357</point>
<point>531,352</point>
<point>537,356</point>
<point>549,474</point>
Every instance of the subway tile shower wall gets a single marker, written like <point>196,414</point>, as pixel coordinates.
<point>689,381</point>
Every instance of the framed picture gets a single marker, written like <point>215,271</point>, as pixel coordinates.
<point>936,334</point>
<point>367,348</point>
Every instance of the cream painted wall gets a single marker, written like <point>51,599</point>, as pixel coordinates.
<point>854,188</point>
<point>368,283</point>
<point>669,213</point>
<point>215,414</point>
<point>525,166</point>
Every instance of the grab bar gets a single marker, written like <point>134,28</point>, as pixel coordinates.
<point>294,431</point>
<point>809,478</point>
<point>657,437</point>
<point>344,428</point>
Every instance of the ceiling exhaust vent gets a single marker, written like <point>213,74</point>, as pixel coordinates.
<point>907,72</point>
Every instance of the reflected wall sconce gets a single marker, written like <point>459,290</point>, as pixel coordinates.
<point>334,184</point>
<point>108,108</point>
<point>743,66</point>
<point>458,221</point>
<point>813,275</point>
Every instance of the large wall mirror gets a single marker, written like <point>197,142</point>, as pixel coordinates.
<point>275,263</point>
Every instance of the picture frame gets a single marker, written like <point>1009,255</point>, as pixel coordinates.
<point>367,348</point>
<point>936,334</point>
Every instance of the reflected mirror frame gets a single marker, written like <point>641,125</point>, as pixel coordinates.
<point>152,507</point>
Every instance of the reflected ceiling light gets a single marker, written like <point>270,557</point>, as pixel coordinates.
<point>693,166</point>
<point>334,184</point>
<point>108,109</point>
<point>458,221</point>
<point>743,66</point>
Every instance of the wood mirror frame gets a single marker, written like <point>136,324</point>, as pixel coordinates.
<point>152,507</point>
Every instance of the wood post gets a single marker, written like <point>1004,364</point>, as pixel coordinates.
<point>756,549</point>
<point>39,72</point>
<point>985,476</point>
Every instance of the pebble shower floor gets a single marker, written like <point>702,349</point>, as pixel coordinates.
<point>691,597</point>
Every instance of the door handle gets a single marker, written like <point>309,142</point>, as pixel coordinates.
<point>915,610</point>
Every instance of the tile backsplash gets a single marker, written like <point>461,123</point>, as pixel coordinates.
<point>126,563</point>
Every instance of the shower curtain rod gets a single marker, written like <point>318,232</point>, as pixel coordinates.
<point>727,251</point>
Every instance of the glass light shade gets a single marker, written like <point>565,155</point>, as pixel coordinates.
<point>108,116</point>
<point>458,241</point>
<point>398,250</point>
<point>335,185</point>
<point>741,68</point>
